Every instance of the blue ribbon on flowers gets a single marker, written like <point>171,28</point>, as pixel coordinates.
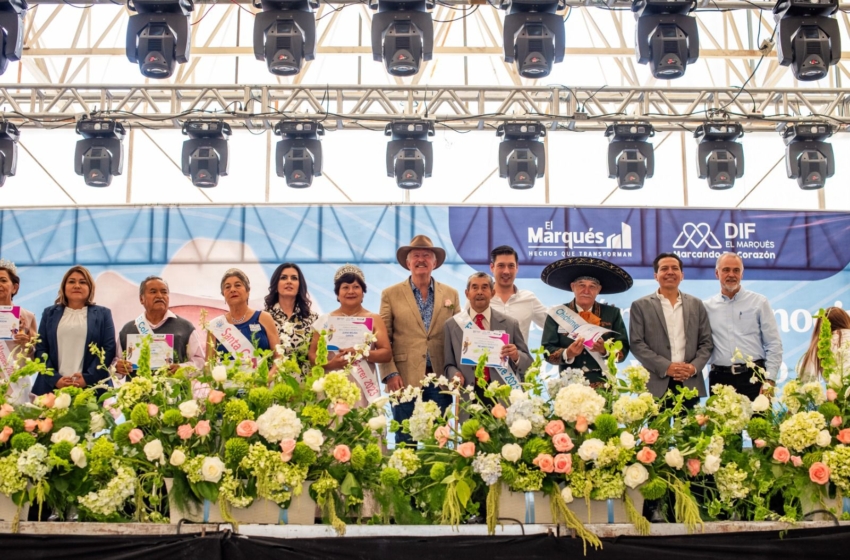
<point>283,516</point>
<point>846,508</point>
<point>207,504</point>
<point>610,510</point>
<point>529,507</point>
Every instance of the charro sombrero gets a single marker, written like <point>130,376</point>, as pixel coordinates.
<point>420,242</point>
<point>560,274</point>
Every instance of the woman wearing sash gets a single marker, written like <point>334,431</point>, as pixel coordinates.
<point>350,287</point>
<point>11,349</point>
<point>289,305</point>
<point>809,368</point>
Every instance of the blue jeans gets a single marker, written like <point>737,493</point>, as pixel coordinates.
<point>404,411</point>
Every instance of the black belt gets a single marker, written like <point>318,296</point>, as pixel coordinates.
<point>737,368</point>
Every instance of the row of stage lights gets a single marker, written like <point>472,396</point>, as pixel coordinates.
<point>666,35</point>
<point>410,157</point>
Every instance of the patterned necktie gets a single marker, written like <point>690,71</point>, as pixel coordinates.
<point>479,320</point>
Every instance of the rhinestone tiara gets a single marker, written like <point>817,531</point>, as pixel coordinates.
<point>349,269</point>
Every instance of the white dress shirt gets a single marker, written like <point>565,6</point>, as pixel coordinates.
<point>71,340</point>
<point>523,306</point>
<point>675,319</point>
<point>486,322</point>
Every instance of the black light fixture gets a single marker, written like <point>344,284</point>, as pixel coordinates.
<point>12,14</point>
<point>204,157</point>
<point>158,35</point>
<point>522,157</point>
<point>534,36</point>
<point>808,158</point>
<point>809,39</point>
<point>99,156</point>
<point>410,156</point>
<point>720,158</point>
<point>631,158</point>
<point>298,156</point>
<point>402,34</point>
<point>285,35</point>
<point>8,150</point>
<point>666,37</point>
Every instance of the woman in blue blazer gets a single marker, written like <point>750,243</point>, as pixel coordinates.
<point>67,329</point>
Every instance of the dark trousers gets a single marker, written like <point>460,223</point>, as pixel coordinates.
<point>404,411</point>
<point>740,381</point>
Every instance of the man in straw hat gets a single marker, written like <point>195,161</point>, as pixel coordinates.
<point>415,312</point>
<point>586,277</point>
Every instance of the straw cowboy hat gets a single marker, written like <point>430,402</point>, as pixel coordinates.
<point>420,242</point>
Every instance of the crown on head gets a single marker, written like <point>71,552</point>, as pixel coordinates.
<point>9,265</point>
<point>349,269</point>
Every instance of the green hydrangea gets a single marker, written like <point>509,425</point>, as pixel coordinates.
<point>605,427</point>
<point>810,459</point>
<point>339,388</point>
<point>172,417</point>
<point>13,421</point>
<point>373,455</point>
<point>829,410</point>
<point>390,477</point>
<point>62,450</point>
<point>237,410</point>
<point>358,458</point>
<point>71,391</point>
<point>260,398</point>
<point>438,472</point>
<point>235,450</point>
<point>121,433</point>
<point>140,415</point>
<point>22,441</point>
<point>759,428</point>
<point>317,416</point>
<point>282,393</point>
<point>509,473</point>
<point>653,489</point>
<point>534,447</point>
<point>467,431</point>
<point>303,455</point>
<point>102,449</point>
<point>84,398</point>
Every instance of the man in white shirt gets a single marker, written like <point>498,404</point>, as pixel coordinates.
<point>509,300</point>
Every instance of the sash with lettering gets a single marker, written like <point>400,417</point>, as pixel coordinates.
<point>506,374</point>
<point>232,338</point>
<point>142,325</point>
<point>7,363</point>
<point>569,320</point>
<point>361,370</point>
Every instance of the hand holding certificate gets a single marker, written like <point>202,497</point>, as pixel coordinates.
<point>10,322</point>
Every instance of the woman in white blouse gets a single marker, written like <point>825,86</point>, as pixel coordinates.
<point>810,368</point>
<point>11,349</point>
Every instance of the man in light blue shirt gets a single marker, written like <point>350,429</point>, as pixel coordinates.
<point>741,320</point>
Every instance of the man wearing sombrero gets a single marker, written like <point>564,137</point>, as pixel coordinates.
<point>586,277</point>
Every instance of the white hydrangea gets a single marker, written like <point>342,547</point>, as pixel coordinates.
<point>731,483</point>
<point>801,430</point>
<point>569,376</point>
<point>527,407</point>
<point>579,400</point>
<point>278,423</point>
<point>715,446</point>
<point>629,409</point>
<point>404,460</point>
<point>729,408</point>
<point>113,496</point>
<point>425,413</point>
<point>489,466</point>
<point>33,462</point>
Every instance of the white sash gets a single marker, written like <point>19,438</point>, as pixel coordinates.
<point>6,362</point>
<point>231,338</point>
<point>361,370</point>
<point>505,373</point>
<point>570,320</point>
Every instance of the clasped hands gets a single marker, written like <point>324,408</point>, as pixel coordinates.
<point>681,371</point>
<point>73,380</point>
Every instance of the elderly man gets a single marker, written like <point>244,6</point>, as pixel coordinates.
<point>415,312</point>
<point>522,305</point>
<point>480,315</point>
<point>587,278</point>
<point>741,320</point>
<point>158,319</point>
<point>670,333</point>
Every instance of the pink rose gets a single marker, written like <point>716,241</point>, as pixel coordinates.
<point>581,424</point>
<point>563,463</point>
<point>693,466</point>
<point>562,442</point>
<point>6,409</point>
<point>30,425</point>
<point>466,449</point>
<point>844,436</point>
<point>648,436</point>
<point>286,457</point>
<point>554,427</point>
<point>836,421</point>
<point>203,428</point>
<point>447,303</point>
<point>831,395</point>
<point>482,435</point>
<point>701,419</point>
<point>781,454</point>
<point>499,411</point>
<point>442,435</point>
<point>646,455</point>
<point>246,428</point>
<point>5,434</point>
<point>287,445</point>
<point>341,409</point>
<point>796,460</point>
<point>153,410</point>
<point>185,431</point>
<point>545,462</point>
<point>48,400</point>
<point>819,473</point>
<point>342,453</point>
<point>215,396</point>
<point>759,443</point>
<point>45,425</point>
<point>136,435</point>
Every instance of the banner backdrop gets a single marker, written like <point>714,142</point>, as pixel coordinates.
<point>797,259</point>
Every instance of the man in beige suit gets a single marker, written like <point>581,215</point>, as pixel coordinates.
<point>415,312</point>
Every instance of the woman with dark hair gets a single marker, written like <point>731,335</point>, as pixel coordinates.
<point>809,368</point>
<point>12,350</point>
<point>289,305</point>
<point>66,331</point>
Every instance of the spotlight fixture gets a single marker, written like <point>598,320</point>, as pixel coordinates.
<point>205,152</point>
<point>100,154</point>
<point>8,150</point>
<point>720,159</point>
<point>158,35</point>
<point>12,14</point>
<point>534,36</point>
<point>410,156</point>
<point>809,39</point>
<point>402,34</point>
<point>285,35</point>
<point>522,157</point>
<point>298,156</point>
<point>631,158</point>
<point>808,158</point>
<point>666,37</point>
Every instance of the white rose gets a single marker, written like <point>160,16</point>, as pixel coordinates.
<point>511,452</point>
<point>521,427</point>
<point>824,439</point>
<point>835,380</point>
<point>381,402</point>
<point>78,456</point>
<point>517,395</point>
<point>634,475</point>
<point>65,434</point>
<point>674,459</point>
<point>319,385</point>
<point>711,464</point>
<point>377,423</point>
<point>97,423</point>
<point>177,458</point>
<point>567,495</point>
<point>62,401</point>
<point>761,403</point>
<point>212,469</point>
<point>590,449</point>
<point>153,450</point>
<point>188,409</point>
<point>627,440</point>
<point>219,373</point>
<point>313,439</point>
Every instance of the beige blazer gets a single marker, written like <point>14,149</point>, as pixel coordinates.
<point>408,338</point>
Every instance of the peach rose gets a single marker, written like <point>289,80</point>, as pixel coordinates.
<point>6,409</point>
<point>836,421</point>
<point>759,443</point>
<point>48,400</point>
<point>781,454</point>
<point>819,473</point>
<point>442,435</point>
<point>215,396</point>
<point>648,436</point>
<point>581,424</point>
<point>844,436</point>
<point>466,449</point>
<point>153,410</point>
<point>646,455</point>
<point>342,453</point>
<point>30,425</point>
<point>796,460</point>
<point>185,431</point>
<point>831,395</point>
<point>341,409</point>
<point>693,466</point>
<point>702,419</point>
<point>563,463</point>
<point>5,434</point>
<point>562,442</point>
<point>554,427</point>
<point>136,435</point>
<point>45,425</point>
<point>499,411</point>
<point>203,428</point>
<point>545,462</point>
<point>287,446</point>
<point>246,428</point>
<point>482,435</point>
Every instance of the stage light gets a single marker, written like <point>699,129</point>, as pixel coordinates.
<point>285,35</point>
<point>100,154</point>
<point>402,34</point>
<point>522,157</point>
<point>12,14</point>
<point>534,36</point>
<point>809,39</point>
<point>808,158</point>
<point>720,159</point>
<point>666,37</point>
<point>410,156</point>
<point>631,158</point>
<point>8,150</point>
<point>298,156</point>
<point>158,35</point>
<point>205,153</point>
